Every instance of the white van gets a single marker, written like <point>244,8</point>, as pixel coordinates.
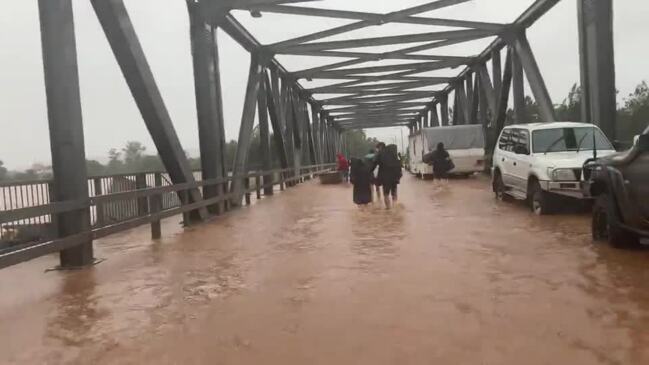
<point>464,143</point>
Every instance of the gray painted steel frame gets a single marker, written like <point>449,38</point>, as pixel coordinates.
<point>65,126</point>
<point>129,54</point>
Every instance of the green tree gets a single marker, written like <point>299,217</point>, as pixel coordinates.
<point>115,164</point>
<point>95,168</point>
<point>149,163</point>
<point>637,103</point>
<point>230,151</point>
<point>29,174</point>
<point>3,171</point>
<point>531,113</point>
<point>358,145</point>
<point>570,109</point>
<point>133,152</point>
<point>633,117</point>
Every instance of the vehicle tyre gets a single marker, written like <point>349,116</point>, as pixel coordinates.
<point>604,225</point>
<point>540,200</point>
<point>499,187</point>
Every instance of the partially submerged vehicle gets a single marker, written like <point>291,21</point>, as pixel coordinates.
<point>541,162</point>
<point>620,185</point>
<point>464,143</point>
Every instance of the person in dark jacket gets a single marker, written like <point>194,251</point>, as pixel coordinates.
<point>389,173</point>
<point>361,178</point>
<point>441,161</point>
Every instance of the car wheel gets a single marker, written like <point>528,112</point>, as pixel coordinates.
<point>540,200</point>
<point>499,187</point>
<point>604,225</point>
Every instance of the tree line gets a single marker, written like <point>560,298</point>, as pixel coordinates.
<point>133,157</point>
<point>632,115</point>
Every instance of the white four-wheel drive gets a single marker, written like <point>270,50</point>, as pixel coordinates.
<point>542,161</point>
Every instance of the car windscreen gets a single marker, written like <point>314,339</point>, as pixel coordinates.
<point>455,138</point>
<point>569,139</point>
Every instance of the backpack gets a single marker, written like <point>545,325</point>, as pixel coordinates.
<point>428,158</point>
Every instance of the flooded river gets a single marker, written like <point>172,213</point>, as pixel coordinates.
<point>448,277</point>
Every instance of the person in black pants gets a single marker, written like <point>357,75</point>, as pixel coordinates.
<point>389,173</point>
<point>361,178</point>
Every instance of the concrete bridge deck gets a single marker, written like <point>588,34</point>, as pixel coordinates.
<point>448,277</point>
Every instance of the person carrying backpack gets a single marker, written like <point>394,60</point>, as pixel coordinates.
<point>389,173</point>
<point>441,161</point>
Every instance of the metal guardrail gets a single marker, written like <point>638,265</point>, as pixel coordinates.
<point>118,203</point>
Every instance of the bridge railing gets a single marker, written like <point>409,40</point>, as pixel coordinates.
<point>117,203</point>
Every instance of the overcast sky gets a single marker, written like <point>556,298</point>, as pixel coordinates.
<point>111,117</point>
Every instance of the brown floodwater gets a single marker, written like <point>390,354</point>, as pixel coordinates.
<point>450,276</point>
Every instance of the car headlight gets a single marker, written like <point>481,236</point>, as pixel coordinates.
<point>563,175</point>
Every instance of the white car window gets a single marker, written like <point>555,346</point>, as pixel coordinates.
<point>520,141</point>
<point>569,139</point>
<point>505,143</point>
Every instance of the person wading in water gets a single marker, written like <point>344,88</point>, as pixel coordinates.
<point>361,178</point>
<point>441,161</point>
<point>343,166</point>
<point>389,173</point>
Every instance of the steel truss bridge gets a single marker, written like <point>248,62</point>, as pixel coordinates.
<point>364,89</point>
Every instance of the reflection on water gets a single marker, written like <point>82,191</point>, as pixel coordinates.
<point>376,234</point>
<point>75,322</point>
<point>620,277</point>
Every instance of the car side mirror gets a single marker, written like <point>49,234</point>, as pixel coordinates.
<point>643,143</point>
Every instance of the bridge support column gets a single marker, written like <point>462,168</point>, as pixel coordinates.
<point>503,99</point>
<point>483,107</point>
<point>315,132</point>
<point>537,84</point>
<point>308,133</point>
<point>497,73</point>
<point>273,102</point>
<point>293,131</point>
<point>208,103</point>
<point>289,125</point>
<point>130,56</point>
<point>475,100</point>
<point>264,132</point>
<point>65,125</point>
<point>597,60</point>
<point>490,92</point>
<point>321,136</point>
<point>240,167</point>
<point>434,117</point>
<point>518,89</point>
<point>457,115</point>
<point>444,109</point>
<point>463,102</point>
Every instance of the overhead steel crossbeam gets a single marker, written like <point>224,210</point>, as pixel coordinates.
<point>381,81</point>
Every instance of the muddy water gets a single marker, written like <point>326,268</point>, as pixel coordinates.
<point>448,277</point>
